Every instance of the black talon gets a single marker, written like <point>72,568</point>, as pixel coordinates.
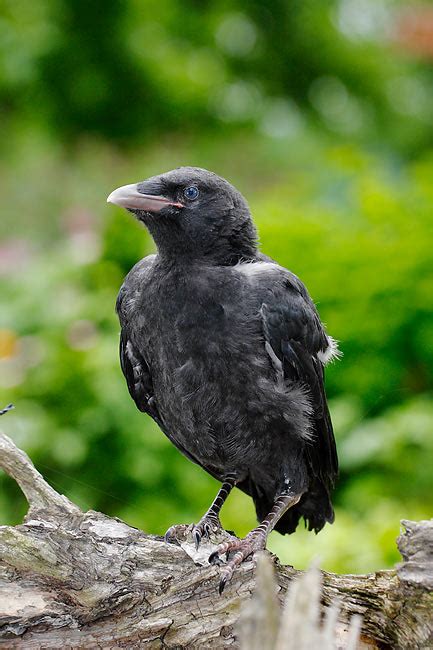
<point>197,539</point>
<point>207,530</point>
<point>214,558</point>
<point>222,584</point>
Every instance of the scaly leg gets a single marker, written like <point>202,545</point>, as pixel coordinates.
<point>210,522</point>
<point>254,541</point>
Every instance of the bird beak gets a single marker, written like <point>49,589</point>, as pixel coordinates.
<point>129,196</point>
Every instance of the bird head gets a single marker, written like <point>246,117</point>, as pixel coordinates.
<point>192,214</point>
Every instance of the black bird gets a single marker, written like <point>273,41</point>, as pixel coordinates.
<point>225,350</point>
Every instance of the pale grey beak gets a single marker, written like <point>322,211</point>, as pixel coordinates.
<point>129,197</point>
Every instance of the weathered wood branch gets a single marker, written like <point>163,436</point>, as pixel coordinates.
<point>81,579</point>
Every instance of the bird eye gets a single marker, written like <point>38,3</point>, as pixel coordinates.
<point>191,193</point>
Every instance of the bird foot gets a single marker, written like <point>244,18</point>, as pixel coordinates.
<point>177,533</point>
<point>205,527</point>
<point>242,548</point>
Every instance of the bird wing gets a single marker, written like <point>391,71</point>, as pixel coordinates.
<point>139,381</point>
<point>136,373</point>
<point>134,367</point>
<point>296,338</point>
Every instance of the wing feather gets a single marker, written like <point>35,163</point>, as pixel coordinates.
<point>293,328</point>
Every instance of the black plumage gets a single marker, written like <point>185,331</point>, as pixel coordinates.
<point>225,350</point>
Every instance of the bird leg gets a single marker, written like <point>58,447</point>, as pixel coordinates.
<point>254,541</point>
<point>210,522</point>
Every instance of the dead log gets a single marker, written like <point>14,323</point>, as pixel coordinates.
<point>73,579</point>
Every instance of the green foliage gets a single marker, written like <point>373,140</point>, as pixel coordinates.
<point>124,70</point>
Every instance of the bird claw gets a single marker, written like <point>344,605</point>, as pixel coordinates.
<point>222,584</point>
<point>176,533</point>
<point>207,530</point>
<point>242,549</point>
<point>197,538</point>
<point>214,558</point>
<point>204,528</point>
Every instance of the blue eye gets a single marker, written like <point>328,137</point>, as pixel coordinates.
<point>191,193</point>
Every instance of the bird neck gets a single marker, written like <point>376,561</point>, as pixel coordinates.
<point>225,247</point>
<point>218,256</point>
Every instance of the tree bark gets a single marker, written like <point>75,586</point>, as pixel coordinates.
<point>73,579</point>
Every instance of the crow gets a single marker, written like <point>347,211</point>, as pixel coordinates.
<point>225,350</point>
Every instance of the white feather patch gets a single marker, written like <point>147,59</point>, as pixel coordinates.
<point>252,269</point>
<point>331,353</point>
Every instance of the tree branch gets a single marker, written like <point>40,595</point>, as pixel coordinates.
<point>81,579</point>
